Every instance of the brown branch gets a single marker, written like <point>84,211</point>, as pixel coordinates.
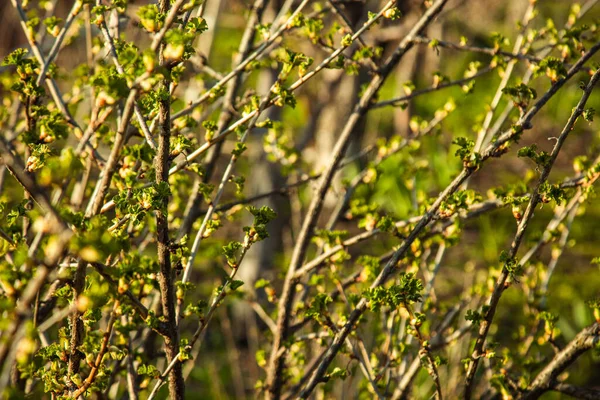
<point>138,112</point>
<point>17,169</point>
<point>97,200</point>
<point>94,206</point>
<point>294,86</point>
<point>425,351</point>
<point>102,186</point>
<point>166,277</point>
<point>59,39</point>
<point>177,361</point>
<point>98,362</point>
<point>576,391</point>
<point>544,381</point>
<point>239,69</point>
<point>77,328</point>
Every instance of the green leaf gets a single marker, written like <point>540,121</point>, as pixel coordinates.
<point>261,283</point>
<point>346,40</point>
<point>240,148</point>
<point>150,18</point>
<point>148,369</point>
<point>15,57</point>
<point>318,306</point>
<point>235,284</point>
<point>406,292</point>
<point>521,94</point>
<point>338,373</point>
<point>230,251</point>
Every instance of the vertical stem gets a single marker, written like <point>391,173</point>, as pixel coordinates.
<point>166,276</point>
<point>76,323</point>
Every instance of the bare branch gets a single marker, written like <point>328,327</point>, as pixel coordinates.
<point>544,381</point>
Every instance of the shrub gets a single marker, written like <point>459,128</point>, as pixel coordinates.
<point>268,200</point>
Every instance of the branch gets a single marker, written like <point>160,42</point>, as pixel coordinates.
<point>166,277</point>
<point>225,118</point>
<point>94,206</point>
<point>584,341</point>
<point>63,235</point>
<point>474,49</point>
<point>98,362</point>
<point>59,39</point>
<point>103,184</point>
<point>576,391</point>
<point>208,217</point>
<point>276,364</point>
<point>226,115</point>
<point>459,82</point>
<point>425,352</point>
<point>521,229</point>
<point>483,134</point>
<point>138,112</point>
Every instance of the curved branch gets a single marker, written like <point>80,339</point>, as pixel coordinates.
<point>584,341</point>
